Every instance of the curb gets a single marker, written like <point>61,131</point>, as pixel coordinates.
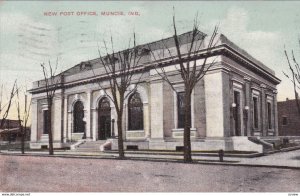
<point>197,154</point>
<point>201,162</point>
<point>290,149</point>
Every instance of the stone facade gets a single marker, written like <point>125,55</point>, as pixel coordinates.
<point>236,99</point>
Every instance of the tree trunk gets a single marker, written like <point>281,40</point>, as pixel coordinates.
<point>50,128</point>
<point>23,132</point>
<point>297,101</point>
<point>120,137</point>
<point>187,127</point>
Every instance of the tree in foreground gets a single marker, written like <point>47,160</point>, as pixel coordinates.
<point>51,84</point>
<point>23,117</point>
<point>188,50</point>
<point>124,74</point>
<point>294,76</point>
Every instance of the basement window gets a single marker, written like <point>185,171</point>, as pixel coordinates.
<point>132,147</point>
<point>179,148</point>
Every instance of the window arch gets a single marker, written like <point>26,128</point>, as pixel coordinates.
<point>104,105</point>
<point>79,124</point>
<point>135,112</point>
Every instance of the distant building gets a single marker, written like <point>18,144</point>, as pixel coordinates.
<point>235,100</point>
<point>11,131</point>
<point>9,124</point>
<point>288,118</point>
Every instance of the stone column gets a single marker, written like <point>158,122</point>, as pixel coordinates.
<point>88,115</point>
<point>217,102</point>
<point>263,110</point>
<point>34,121</point>
<point>275,113</point>
<point>247,94</point>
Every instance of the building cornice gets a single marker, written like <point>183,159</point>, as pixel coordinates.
<point>248,63</point>
<point>222,49</point>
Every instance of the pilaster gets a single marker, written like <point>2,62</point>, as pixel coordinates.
<point>275,113</point>
<point>247,113</point>
<point>70,125</point>
<point>34,121</point>
<point>264,123</point>
<point>65,122</point>
<point>94,124</point>
<point>88,115</point>
<point>156,88</point>
<point>146,120</point>
<point>217,101</point>
<point>56,118</point>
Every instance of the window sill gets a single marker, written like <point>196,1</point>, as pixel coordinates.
<point>178,133</point>
<point>136,131</point>
<point>133,134</point>
<point>182,129</point>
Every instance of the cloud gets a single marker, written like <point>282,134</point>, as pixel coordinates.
<point>261,44</point>
<point>265,46</point>
<point>15,62</point>
<point>10,22</point>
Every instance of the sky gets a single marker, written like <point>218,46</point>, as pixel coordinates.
<point>29,35</point>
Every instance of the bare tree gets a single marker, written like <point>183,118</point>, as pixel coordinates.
<point>5,108</point>
<point>51,84</point>
<point>294,76</point>
<point>23,119</point>
<point>123,72</point>
<point>188,50</point>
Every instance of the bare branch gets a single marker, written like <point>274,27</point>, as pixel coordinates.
<point>294,77</point>
<point>12,94</point>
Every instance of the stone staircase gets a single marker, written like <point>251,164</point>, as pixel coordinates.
<point>268,144</point>
<point>90,146</point>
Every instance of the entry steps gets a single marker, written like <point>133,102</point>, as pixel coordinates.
<point>267,143</point>
<point>90,146</point>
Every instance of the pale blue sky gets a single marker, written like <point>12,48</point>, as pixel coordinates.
<point>261,28</point>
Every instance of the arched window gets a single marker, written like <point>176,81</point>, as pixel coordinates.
<point>135,113</point>
<point>79,124</point>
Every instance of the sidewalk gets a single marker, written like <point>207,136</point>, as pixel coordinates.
<point>289,159</point>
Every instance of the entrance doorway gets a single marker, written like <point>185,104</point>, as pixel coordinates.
<point>104,119</point>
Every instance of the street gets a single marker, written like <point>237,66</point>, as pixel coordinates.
<point>55,174</point>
